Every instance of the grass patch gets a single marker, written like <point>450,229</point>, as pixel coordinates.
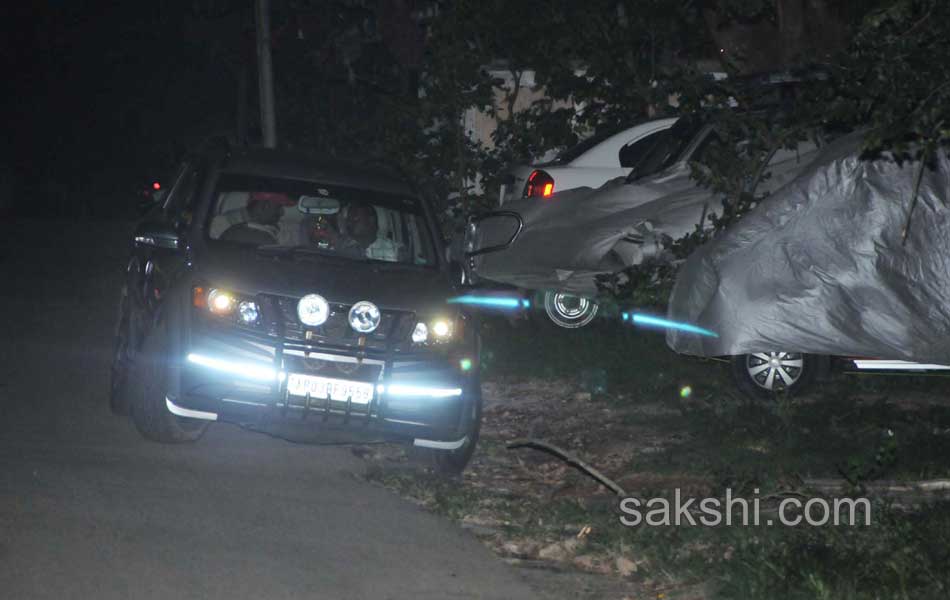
<point>604,357</point>
<point>900,555</point>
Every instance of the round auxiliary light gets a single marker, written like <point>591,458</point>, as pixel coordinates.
<point>420,334</point>
<point>248,312</point>
<point>313,310</point>
<point>364,317</point>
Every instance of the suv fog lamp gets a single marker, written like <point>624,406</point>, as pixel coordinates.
<point>420,334</point>
<point>220,302</point>
<point>364,317</point>
<point>313,310</point>
<point>248,312</point>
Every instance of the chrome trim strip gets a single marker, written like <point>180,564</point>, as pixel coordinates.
<point>440,445</point>
<point>897,365</point>
<point>188,413</point>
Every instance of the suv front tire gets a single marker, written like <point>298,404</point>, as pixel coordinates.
<point>453,462</point>
<point>148,386</point>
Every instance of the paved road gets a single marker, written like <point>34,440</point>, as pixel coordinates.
<point>88,509</point>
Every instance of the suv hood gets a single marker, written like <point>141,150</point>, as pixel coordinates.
<point>394,287</point>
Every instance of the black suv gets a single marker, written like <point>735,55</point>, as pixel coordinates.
<point>269,285</point>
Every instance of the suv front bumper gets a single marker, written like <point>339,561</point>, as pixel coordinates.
<point>233,376</point>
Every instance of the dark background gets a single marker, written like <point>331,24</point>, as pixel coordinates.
<point>101,97</point>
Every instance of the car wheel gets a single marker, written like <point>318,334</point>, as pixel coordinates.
<point>766,374</point>
<point>568,310</point>
<point>123,352</point>
<point>453,462</point>
<point>148,385</point>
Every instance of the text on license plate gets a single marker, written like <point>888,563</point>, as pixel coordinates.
<point>339,389</point>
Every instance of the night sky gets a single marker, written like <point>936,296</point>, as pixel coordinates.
<point>103,96</point>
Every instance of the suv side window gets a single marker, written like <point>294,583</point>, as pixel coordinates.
<point>180,205</point>
<point>634,152</point>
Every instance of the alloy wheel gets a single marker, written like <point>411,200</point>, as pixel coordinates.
<point>568,310</point>
<point>773,371</point>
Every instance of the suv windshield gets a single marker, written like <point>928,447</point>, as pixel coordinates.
<point>320,218</point>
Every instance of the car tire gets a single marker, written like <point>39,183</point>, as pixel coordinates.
<point>766,375</point>
<point>123,349</point>
<point>569,310</point>
<point>148,384</point>
<point>451,463</point>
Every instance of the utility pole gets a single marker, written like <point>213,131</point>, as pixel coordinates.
<point>265,74</point>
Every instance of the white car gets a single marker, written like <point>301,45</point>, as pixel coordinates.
<point>591,163</point>
<point>562,246</point>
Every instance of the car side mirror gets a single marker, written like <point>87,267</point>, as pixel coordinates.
<point>157,235</point>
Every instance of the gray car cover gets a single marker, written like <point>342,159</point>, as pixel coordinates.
<point>575,235</point>
<point>819,267</point>
<point>564,242</point>
<point>578,234</point>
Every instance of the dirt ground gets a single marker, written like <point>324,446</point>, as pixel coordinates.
<point>535,510</point>
<point>504,492</point>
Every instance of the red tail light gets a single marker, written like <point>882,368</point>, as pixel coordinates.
<point>539,184</point>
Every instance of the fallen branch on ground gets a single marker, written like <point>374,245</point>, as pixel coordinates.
<point>570,459</point>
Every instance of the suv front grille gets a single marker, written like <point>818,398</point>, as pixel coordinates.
<point>394,328</point>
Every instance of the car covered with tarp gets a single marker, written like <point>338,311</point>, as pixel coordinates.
<point>845,260</point>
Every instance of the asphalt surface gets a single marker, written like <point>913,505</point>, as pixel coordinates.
<point>89,509</point>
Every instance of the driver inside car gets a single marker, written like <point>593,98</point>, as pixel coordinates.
<point>358,235</point>
<point>264,211</point>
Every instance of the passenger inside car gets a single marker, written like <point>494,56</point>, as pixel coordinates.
<point>264,212</point>
<point>321,218</point>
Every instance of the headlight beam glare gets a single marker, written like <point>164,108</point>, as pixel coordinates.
<point>488,301</point>
<point>650,321</point>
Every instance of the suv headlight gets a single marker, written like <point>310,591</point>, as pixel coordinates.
<point>226,304</point>
<point>439,330</point>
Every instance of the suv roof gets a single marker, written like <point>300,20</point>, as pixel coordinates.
<point>268,162</point>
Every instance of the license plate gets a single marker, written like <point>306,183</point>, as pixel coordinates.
<point>339,389</point>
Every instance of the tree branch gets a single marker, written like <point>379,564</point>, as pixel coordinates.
<point>570,459</point>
